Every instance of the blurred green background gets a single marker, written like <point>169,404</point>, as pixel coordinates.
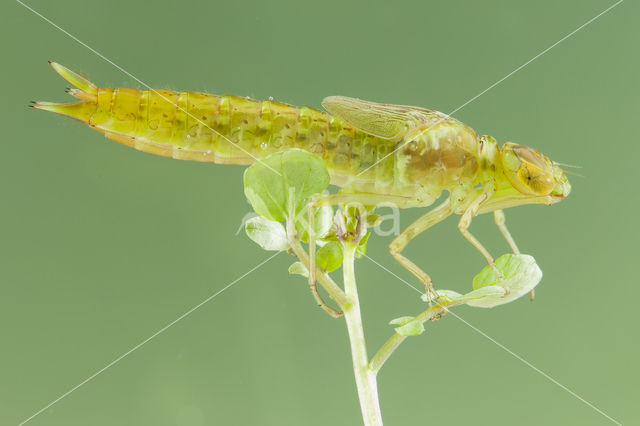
<point>102,246</point>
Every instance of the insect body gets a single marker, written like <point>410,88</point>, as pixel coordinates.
<point>376,152</point>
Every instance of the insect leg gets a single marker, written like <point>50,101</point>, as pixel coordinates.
<point>364,198</point>
<point>465,222</point>
<point>400,242</point>
<point>313,286</point>
<point>319,200</point>
<point>498,216</point>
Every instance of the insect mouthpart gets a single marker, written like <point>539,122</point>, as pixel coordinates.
<point>562,187</point>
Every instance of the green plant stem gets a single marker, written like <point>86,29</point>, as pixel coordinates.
<point>335,292</point>
<point>394,341</point>
<point>365,377</point>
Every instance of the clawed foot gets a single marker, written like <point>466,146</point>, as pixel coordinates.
<point>431,293</point>
<point>501,281</point>
<point>505,287</point>
<point>440,314</point>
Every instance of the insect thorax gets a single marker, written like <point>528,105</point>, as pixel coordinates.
<point>439,157</point>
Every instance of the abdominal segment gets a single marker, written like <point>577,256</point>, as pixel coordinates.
<point>236,130</point>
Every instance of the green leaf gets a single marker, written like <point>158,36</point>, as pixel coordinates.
<point>329,257</point>
<point>352,214</point>
<point>521,275</point>
<point>323,222</point>
<point>298,268</point>
<point>447,296</point>
<point>361,250</point>
<point>408,326</point>
<point>412,328</point>
<point>373,220</point>
<point>401,320</point>
<point>267,234</point>
<point>487,297</point>
<point>508,264</point>
<point>269,183</point>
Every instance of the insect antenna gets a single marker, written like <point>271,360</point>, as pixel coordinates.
<point>567,165</point>
<point>570,166</point>
<point>574,173</point>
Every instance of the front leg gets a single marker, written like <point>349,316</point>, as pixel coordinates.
<point>498,217</point>
<point>465,222</point>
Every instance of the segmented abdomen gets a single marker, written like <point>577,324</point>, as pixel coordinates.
<point>236,130</point>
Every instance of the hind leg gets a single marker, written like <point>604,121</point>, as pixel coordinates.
<point>436,215</point>
<point>316,201</point>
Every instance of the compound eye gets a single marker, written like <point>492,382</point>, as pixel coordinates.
<point>536,180</point>
<point>527,170</point>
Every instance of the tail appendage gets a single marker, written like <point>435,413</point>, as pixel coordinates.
<point>84,90</point>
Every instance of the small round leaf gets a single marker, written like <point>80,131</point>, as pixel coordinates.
<point>298,268</point>
<point>267,234</point>
<point>271,183</point>
<point>329,257</point>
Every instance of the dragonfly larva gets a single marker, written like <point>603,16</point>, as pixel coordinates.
<point>379,153</point>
